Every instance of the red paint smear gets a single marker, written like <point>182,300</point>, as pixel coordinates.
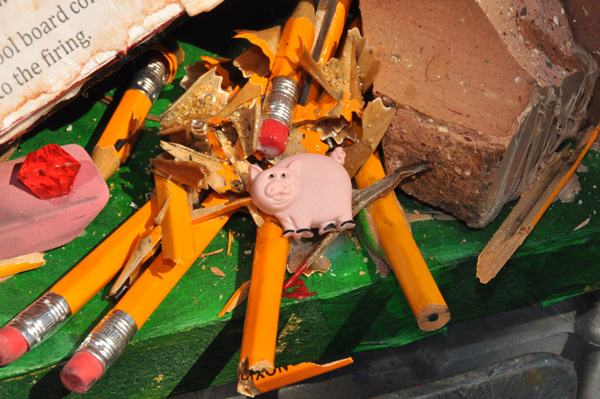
<point>300,291</point>
<point>295,276</point>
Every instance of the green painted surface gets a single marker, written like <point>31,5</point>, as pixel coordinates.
<point>185,347</point>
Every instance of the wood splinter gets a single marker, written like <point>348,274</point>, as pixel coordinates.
<point>530,208</point>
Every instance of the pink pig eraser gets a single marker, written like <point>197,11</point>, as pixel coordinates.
<point>81,372</point>
<point>12,345</point>
<point>273,137</point>
<point>30,224</point>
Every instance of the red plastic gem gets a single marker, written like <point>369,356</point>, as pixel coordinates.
<point>49,172</point>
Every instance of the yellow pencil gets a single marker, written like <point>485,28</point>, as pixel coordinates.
<point>406,261</point>
<point>111,336</point>
<point>285,85</point>
<point>266,283</point>
<point>34,324</point>
<point>120,135</point>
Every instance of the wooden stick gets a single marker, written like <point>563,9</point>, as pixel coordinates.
<point>406,261</point>
<point>530,208</point>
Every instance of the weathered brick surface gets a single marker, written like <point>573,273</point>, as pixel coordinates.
<point>483,91</point>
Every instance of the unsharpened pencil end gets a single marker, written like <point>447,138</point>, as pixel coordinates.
<point>81,372</point>
<point>273,137</point>
<point>12,345</point>
<point>433,317</point>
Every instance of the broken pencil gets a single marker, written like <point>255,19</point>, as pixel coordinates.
<point>406,261</point>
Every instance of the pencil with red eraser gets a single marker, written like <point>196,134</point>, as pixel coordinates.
<point>285,84</point>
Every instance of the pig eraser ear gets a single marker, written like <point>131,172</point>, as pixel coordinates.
<point>295,166</point>
<point>255,170</point>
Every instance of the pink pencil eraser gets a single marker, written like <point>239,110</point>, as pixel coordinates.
<point>273,137</point>
<point>81,372</point>
<point>12,345</point>
<point>30,224</point>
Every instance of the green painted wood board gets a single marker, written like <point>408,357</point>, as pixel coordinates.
<point>185,347</point>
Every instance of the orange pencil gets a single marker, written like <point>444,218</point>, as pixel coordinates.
<point>111,336</point>
<point>30,327</point>
<point>285,85</point>
<point>406,260</point>
<point>266,282</point>
<point>118,139</point>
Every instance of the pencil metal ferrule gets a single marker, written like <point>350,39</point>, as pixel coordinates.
<point>151,79</point>
<point>41,318</point>
<point>110,337</point>
<point>281,100</point>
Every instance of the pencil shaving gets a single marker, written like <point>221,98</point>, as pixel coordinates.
<point>201,214</point>
<point>207,254</point>
<point>145,248</point>
<point>582,224</point>
<point>229,242</point>
<point>267,40</point>
<point>253,62</point>
<point>216,271</point>
<point>204,99</point>
<point>236,299</point>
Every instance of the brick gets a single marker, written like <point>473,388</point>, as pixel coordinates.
<point>483,91</point>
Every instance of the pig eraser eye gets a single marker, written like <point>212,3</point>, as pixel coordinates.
<point>283,176</point>
<point>271,176</point>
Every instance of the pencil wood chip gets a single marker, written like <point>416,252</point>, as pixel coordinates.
<point>144,249</point>
<point>368,64</point>
<point>375,122</point>
<point>349,65</point>
<point>204,99</point>
<point>191,174</point>
<point>192,73</point>
<point>236,299</point>
<point>256,216</point>
<point>318,73</point>
<point>267,40</point>
<point>221,174</point>
<point>201,214</point>
<point>217,272</point>
<point>530,208</point>
<point>364,197</point>
<point>253,61</point>
<point>23,263</point>
<point>246,121</point>
<point>224,67</point>
<point>248,93</point>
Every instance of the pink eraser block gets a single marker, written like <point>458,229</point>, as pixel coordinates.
<point>29,224</point>
<point>273,137</point>
<point>81,372</point>
<point>12,345</point>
